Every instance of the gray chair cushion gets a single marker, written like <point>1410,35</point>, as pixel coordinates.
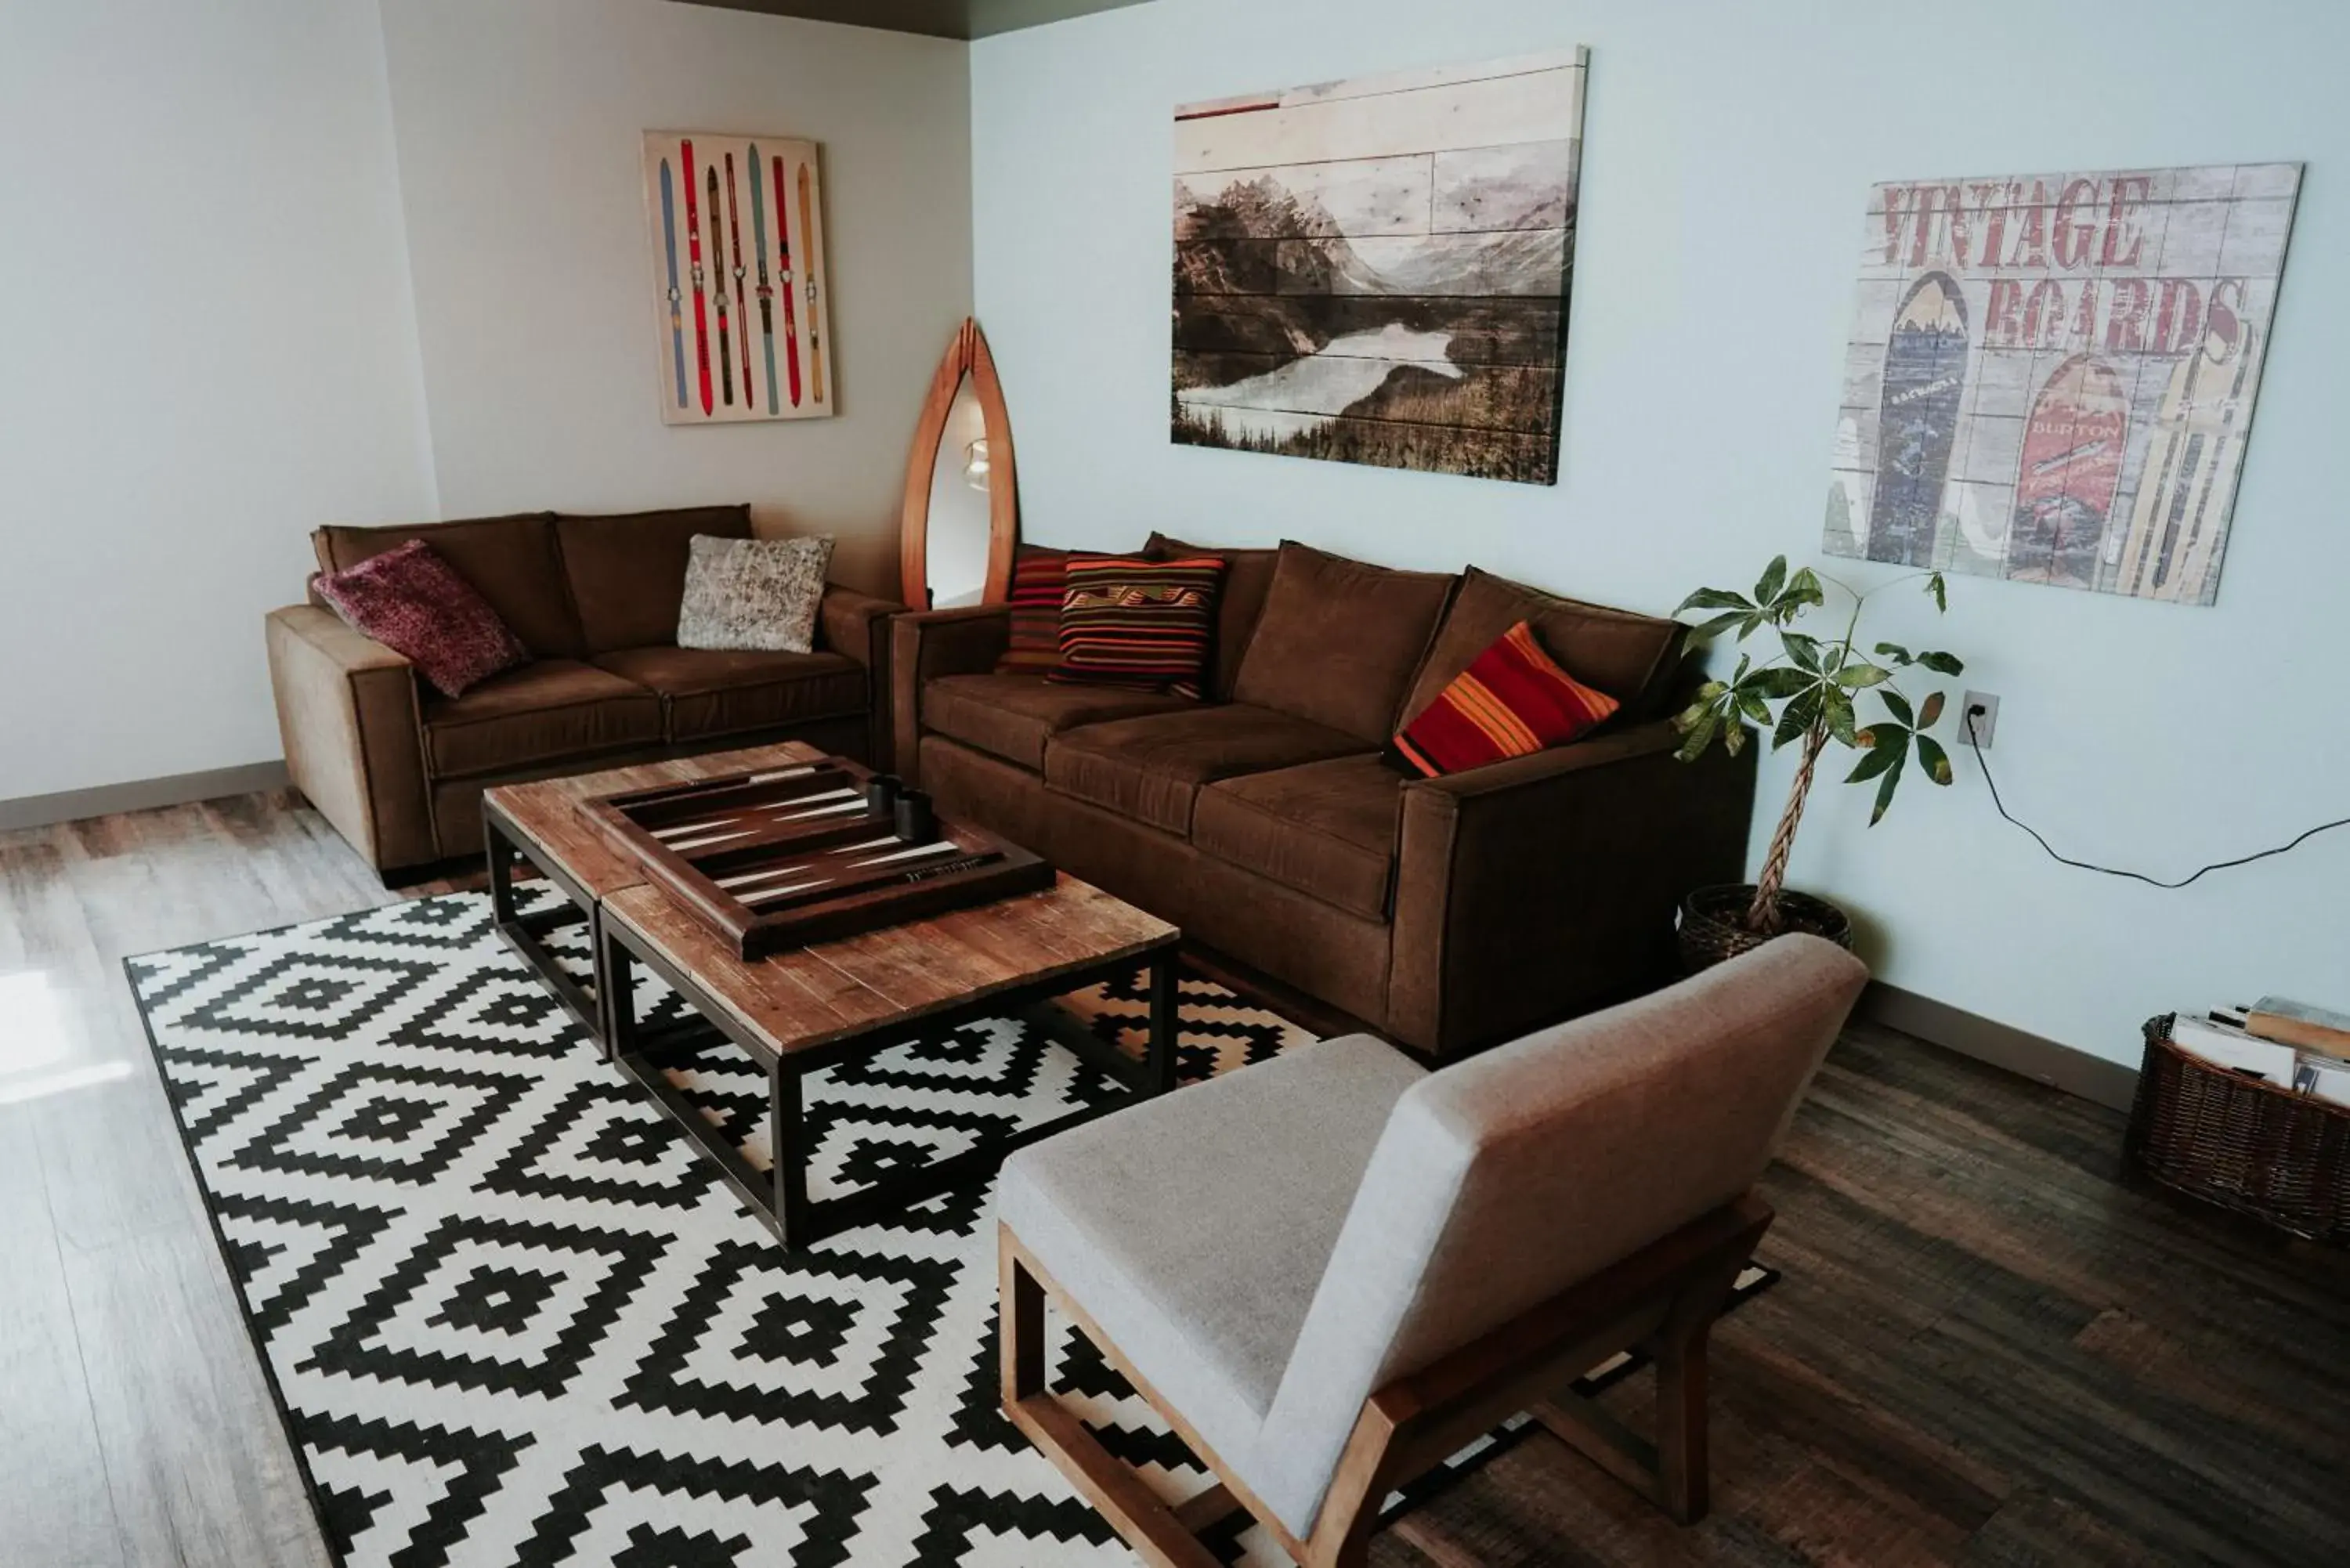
<point>1502,1181</point>
<point>1193,1229</point>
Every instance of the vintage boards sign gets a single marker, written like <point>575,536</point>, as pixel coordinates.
<point>742,300</point>
<point>2051,377</point>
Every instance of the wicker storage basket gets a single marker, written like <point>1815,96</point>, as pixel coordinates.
<point>2263,1151</point>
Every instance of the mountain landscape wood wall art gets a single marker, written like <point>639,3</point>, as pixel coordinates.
<point>742,298</point>
<point>1377,271</point>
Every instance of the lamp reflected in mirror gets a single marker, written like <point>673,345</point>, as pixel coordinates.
<point>961,521</point>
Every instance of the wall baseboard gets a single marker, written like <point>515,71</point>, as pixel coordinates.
<point>140,794</point>
<point>2032,1056</point>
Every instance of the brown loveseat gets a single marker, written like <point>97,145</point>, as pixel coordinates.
<point>399,769</point>
<point>1446,913</point>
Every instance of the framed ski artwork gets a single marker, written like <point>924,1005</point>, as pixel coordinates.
<point>2051,377</point>
<point>737,228</point>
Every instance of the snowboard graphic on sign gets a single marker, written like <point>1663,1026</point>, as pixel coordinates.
<point>2051,378</point>
<point>2064,486</point>
<point>2173,548</point>
<point>1925,369</point>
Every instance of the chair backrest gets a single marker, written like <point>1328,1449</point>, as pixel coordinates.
<point>1502,1181</point>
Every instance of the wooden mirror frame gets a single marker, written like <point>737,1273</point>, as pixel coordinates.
<point>967,354</point>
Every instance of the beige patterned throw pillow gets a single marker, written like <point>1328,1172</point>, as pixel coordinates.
<point>758,594</point>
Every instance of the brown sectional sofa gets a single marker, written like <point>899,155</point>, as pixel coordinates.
<point>400,769</point>
<point>1446,913</point>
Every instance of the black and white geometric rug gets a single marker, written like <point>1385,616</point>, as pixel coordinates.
<point>512,1319</point>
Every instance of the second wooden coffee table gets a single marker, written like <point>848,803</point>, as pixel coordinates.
<point>814,1007</point>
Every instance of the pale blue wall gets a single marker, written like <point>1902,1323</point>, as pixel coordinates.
<point>1729,152</point>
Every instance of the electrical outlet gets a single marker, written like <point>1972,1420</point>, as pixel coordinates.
<point>1985,722</point>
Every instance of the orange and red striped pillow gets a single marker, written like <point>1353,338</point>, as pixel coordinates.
<point>1037,586</point>
<point>1512,701</point>
<point>1144,624</point>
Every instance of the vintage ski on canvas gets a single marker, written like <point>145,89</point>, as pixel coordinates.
<point>737,222</point>
<point>2051,377</point>
<point>1376,271</point>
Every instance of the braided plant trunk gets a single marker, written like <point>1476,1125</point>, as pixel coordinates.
<point>1763,916</point>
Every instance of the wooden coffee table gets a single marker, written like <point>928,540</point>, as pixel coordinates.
<point>539,823</point>
<point>805,1009</point>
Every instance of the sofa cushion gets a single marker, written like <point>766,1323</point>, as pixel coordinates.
<point>1512,701</point>
<point>1339,640</point>
<point>415,603</point>
<point>1151,769</point>
<point>1141,623</point>
<point>710,692</point>
<point>1039,581</point>
<point>1326,828</point>
<point>627,569</point>
<point>511,561</point>
<point>554,708</point>
<point>1248,577</point>
<point>1629,657</point>
<point>1012,716</point>
<point>753,596</point>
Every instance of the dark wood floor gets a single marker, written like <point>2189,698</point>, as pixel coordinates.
<point>1986,1350</point>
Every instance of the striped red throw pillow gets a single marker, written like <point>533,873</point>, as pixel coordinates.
<point>1145,624</point>
<point>1512,701</point>
<point>1037,586</point>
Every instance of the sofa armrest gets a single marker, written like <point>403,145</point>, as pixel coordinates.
<point>858,625</point>
<point>926,644</point>
<point>347,712</point>
<point>1547,884</point>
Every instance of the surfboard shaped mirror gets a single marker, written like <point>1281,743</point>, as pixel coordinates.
<point>962,517</point>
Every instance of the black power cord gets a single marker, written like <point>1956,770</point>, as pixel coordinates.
<point>1976,746</point>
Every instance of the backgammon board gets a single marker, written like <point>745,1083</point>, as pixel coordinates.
<point>809,853</point>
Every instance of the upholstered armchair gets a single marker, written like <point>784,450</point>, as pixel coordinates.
<point>1330,1270</point>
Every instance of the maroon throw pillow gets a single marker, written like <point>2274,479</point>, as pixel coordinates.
<point>414,603</point>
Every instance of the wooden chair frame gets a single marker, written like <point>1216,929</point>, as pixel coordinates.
<point>967,354</point>
<point>1662,1300</point>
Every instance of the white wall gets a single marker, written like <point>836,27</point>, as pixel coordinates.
<point>520,126</point>
<point>1728,155</point>
<point>206,349</point>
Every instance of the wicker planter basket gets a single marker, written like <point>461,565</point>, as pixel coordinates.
<point>2250,1146</point>
<point>1713,923</point>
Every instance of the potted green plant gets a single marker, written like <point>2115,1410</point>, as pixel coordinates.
<point>1809,695</point>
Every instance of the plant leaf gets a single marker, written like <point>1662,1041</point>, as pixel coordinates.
<point>1796,718</point>
<point>1856,676</point>
<point>1939,591</point>
<point>1933,759</point>
<point>1700,736</point>
<point>1883,747</point>
<point>1713,598</point>
<point>1710,630</point>
<point>1734,737</point>
<point>1942,663</point>
<point>1803,588</point>
<point>1774,577</point>
<point>1898,706</point>
<point>1777,682</point>
<point>1896,652</point>
<point>1840,717</point>
<point>1755,708</point>
<point>1885,790</point>
<point>1802,647</point>
<point>1931,711</point>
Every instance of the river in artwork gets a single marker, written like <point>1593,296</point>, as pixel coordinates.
<point>1307,394</point>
